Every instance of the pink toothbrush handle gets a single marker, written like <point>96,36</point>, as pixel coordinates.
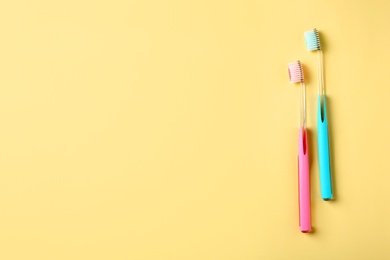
<point>304,182</point>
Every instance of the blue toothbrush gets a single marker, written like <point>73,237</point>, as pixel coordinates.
<point>313,44</point>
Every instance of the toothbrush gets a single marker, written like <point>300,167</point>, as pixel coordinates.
<point>295,72</point>
<point>313,43</point>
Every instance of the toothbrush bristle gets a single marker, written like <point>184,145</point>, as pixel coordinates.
<point>312,40</point>
<point>295,72</point>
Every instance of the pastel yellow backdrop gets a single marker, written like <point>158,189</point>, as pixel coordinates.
<point>168,129</point>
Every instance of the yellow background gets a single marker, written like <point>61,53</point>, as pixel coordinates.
<point>168,129</point>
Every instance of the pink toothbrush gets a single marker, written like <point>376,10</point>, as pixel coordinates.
<point>295,72</point>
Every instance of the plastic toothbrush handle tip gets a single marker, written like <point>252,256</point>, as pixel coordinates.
<point>304,182</point>
<point>323,150</point>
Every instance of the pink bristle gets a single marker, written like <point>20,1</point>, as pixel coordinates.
<point>295,72</point>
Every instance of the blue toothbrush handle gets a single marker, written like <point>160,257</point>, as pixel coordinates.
<point>323,151</point>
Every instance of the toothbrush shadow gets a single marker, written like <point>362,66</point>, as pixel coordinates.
<point>308,79</point>
<point>324,42</point>
<point>311,140</point>
<point>331,147</point>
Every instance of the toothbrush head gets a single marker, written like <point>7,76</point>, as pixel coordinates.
<point>312,40</point>
<point>295,72</point>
